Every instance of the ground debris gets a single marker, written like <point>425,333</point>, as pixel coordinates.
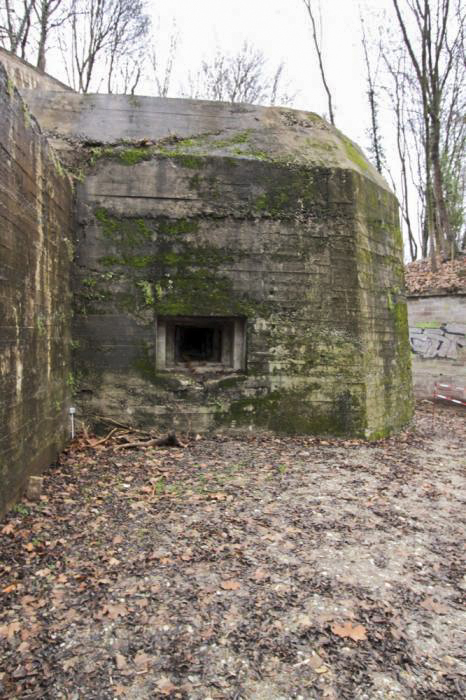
<point>258,567</point>
<point>123,437</point>
<point>449,276</point>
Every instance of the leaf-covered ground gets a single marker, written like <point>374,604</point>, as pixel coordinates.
<point>261,567</point>
<point>450,276</point>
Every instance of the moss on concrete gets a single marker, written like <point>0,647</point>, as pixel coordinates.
<point>125,232</point>
<point>230,382</point>
<point>308,357</point>
<point>293,412</point>
<point>10,88</point>
<point>132,156</point>
<point>178,277</point>
<point>354,154</point>
<point>127,155</point>
<point>291,191</point>
<point>145,367</point>
<point>178,227</point>
<point>194,162</point>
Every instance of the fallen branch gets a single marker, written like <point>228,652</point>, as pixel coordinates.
<point>170,440</point>
<point>140,443</point>
<point>107,437</point>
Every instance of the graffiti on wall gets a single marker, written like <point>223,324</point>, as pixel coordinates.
<point>432,339</point>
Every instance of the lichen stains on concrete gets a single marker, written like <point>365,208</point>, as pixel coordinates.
<point>36,204</point>
<point>216,217</point>
<point>294,248</point>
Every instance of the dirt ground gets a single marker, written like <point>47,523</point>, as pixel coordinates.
<point>257,568</point>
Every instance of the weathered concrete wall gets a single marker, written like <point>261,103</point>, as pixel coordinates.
<point>437,334</point>
<point>112,118</point>
<point>35,308</point>
<point>24,76</point>
<point>197,127</point>
<point>197,209</point>
<point>184,249</point>
<point>282,223</point>
<point>382,310</point>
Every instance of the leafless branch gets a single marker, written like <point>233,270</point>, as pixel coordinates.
<point>318,49</point>
<point>241,77</point>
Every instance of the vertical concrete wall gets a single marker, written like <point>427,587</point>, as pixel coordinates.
<point>25,76</point>
<point>35,311</point>
<point>219,237</point>
<point>437,334</point>
<point>298,253</point>
<point>382,312</point>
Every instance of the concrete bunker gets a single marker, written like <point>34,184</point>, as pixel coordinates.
<point>234,267</point>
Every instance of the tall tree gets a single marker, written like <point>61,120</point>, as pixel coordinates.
<point>162,65</point>
<point>409,139</point>
<point>309,4</point>
<point>49,14</point>
<point>433,35</point>
<point>101,37</point>
<point>16,18</point>
<point>372,68</point>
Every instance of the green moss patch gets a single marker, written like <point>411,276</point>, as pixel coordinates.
<point>428,324</point>
<point>354,154</point>
<point>162,268</point>
<point>132,156</point>
<point>292,190</point>
<point>127,155</point>
<point>293,412</point>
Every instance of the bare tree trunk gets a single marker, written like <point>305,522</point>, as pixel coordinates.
<point>163,73</point>
<point>26,29</point>
<point>103,36</point>
<point>434,55</point>
<point>376,145</point>
<point>15,25</point>
<point>401,145</point>
<point>317,46</point>
<point>42,43</point>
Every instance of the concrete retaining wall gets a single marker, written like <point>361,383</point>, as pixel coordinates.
<point>437,333</point>
<point>35,253</point>
<point>24,76</point>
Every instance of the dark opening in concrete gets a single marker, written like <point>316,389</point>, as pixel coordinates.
<point>194,344</point>
<point>203,342</point>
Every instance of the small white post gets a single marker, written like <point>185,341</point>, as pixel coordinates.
<point>72,412</point>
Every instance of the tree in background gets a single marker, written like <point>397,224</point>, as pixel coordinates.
<point>161,67</point>
<point>49,16</point>
<point>453,151</point>
<point>317,40</point>
<point>238,77</point>
<point>16,19</point>
<point>407,123</point>
<point>102,43</point>
<point>422,79</point>
<point>26,27</point>
<point>372,71</point>
<point>433,38</point>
